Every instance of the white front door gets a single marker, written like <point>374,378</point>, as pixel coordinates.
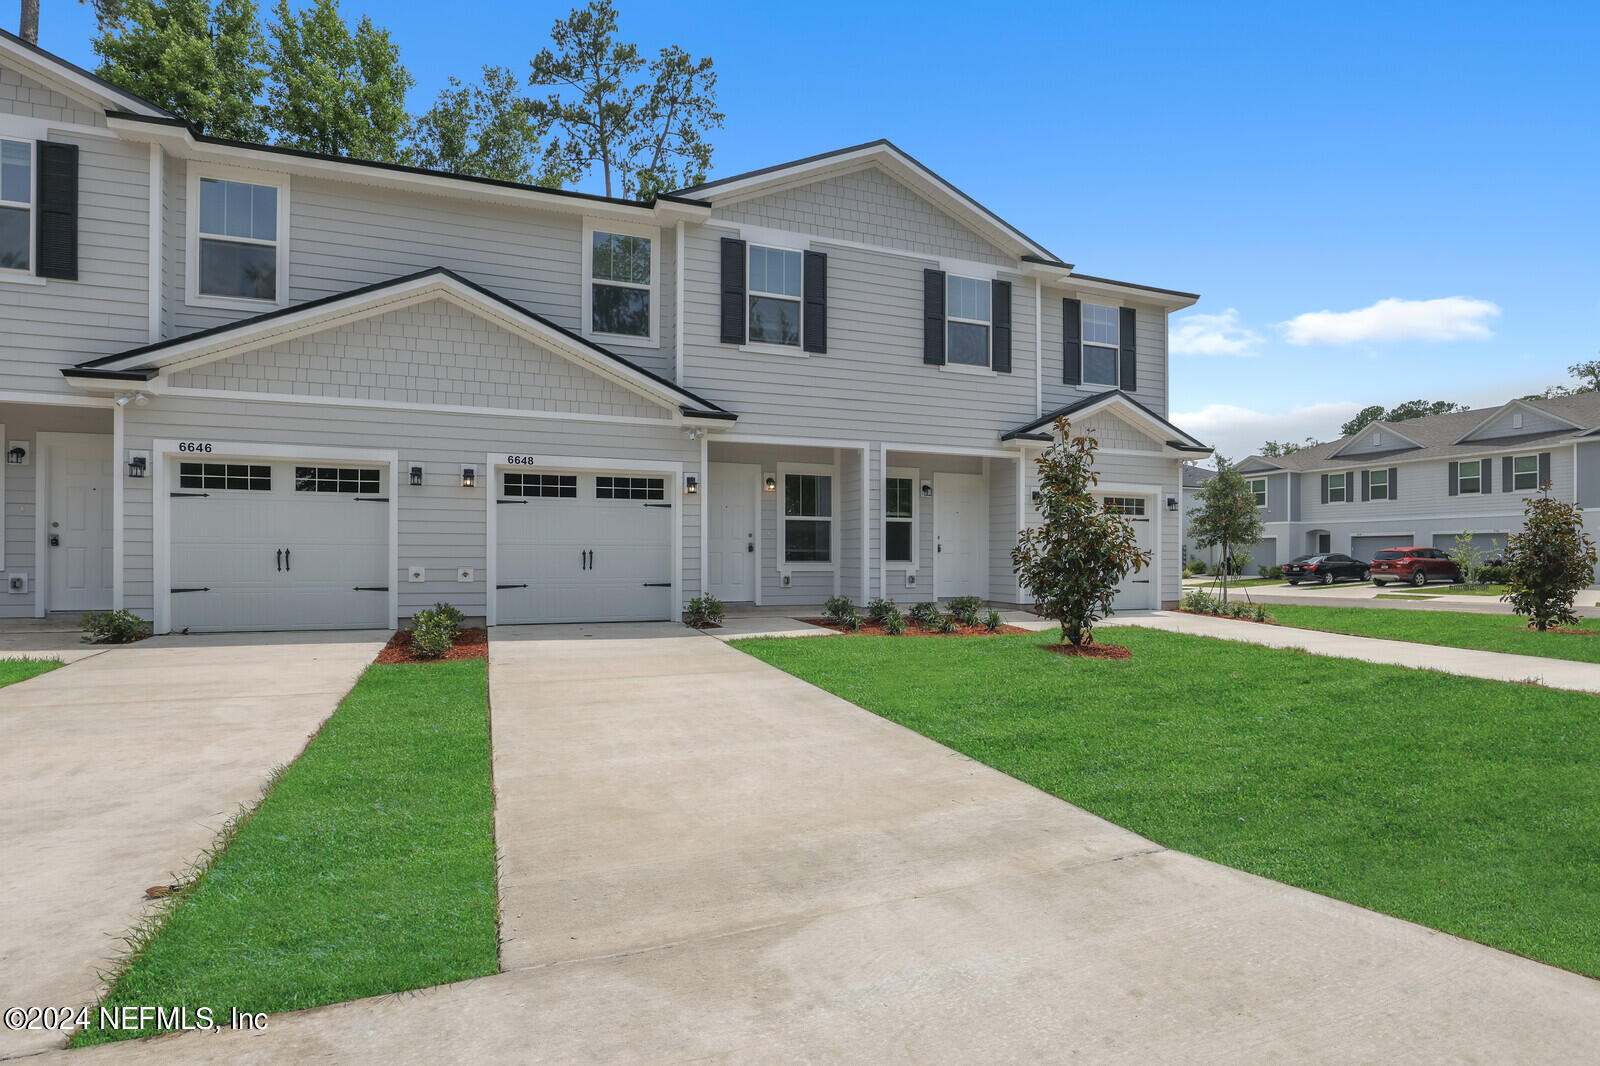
<point>731,523</point>
<point>1137,590</point>
<point>960,535</point>
<point>79,536</point>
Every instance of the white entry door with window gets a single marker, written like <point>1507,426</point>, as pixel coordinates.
<point>79,536</point>
<point>960,535</point>
<point>1138,590</point>
<point>732,499</point>
<point>579,546</point>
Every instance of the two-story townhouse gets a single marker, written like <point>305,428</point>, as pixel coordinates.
<point>1425,481</point>
<point>250,387</point>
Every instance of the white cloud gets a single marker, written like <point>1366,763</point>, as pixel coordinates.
<point>1212,335</point>
<point>1238,431</point>
<point>1448,319</point>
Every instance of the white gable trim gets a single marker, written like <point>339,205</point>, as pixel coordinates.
<point>1136,417</point>
<point>56,73</point>
<point>1506,408</point>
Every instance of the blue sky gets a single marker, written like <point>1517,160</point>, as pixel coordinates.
<point>1433,167</point>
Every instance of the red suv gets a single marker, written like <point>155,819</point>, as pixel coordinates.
<point>1416,565</point>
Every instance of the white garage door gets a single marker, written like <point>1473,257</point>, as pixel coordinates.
<point>1138,590</point>
<point>266,544</point>
<point>582,547</point>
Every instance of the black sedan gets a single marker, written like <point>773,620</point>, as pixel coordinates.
<point>1326,569</point>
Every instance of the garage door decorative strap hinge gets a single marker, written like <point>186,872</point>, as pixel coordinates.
<point>187,495</point>
<point>176,591</point>
<point>658,584</point>
<point>666,505</point>
<point>372,499</point>
<point>372,588</point>
<point>511,501</point>
<point>521,586</point>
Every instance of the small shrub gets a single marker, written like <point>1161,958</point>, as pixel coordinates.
<point>1199,602</point>
<point>838,608</point>
<point>946,623</point>
<point>965,609</point>
<point>450,613</point>
<point>924,615</point>
<point>704,611</point>
<point>1494,574</point>
<point>113,627</point>
<point>1199,568</point>
<point>1275,573</point>
<point>991,621</point>
<point>433,631</point>
<point>894,623</point>
<point>850,623</point>
<point>1259,613</point>
<point>1239,609</point>
<point>879,608</point>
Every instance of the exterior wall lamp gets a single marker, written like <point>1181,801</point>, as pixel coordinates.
<point>415,471</point>
<point>1172,503</point>
<point>927,490</point>
<point>469,477</point>
<point>691,485</point>
<point>138,464</point>
<point>771,483</point>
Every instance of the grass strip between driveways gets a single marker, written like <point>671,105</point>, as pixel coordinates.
<point>1465,805</point>
<point>1452,629</point>
<point>369,866</point>
<point>14,670</point>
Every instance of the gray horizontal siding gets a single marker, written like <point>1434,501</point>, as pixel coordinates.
<point>1150,348</point>
<point>1424,490</point>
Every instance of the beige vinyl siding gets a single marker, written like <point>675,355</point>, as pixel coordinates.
<point>1150,351</point>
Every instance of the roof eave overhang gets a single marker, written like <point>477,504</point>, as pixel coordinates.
<point>53,70</point>
<point>1168,299</point>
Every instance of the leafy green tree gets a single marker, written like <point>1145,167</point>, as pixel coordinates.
<point>1273,449</point>
<point>487,128</point>
<point>334,91</point>
<point>1588,375</point>
<point>1468,556</point>
<point>1551,560</point>
<point>1398,413</point>
<point>1227,517</point>
<point>200,59</point>
<point>1073,561</point>
<point>642,124</point>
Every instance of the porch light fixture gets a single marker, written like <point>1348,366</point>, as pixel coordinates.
<point>469,477</point>
<point>927,489</point>
<point>138,464</point>
<point>17,454</point>
<point>691,485</point>
<point>416,473</point>
<point>1037,495</point>
<point>771,483</point>
<point>1172,503</point>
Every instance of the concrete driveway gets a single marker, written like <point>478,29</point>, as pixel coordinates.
<point>706,859</point>
<point>120,768</point>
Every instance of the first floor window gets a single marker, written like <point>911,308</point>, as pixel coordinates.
<point>1258,489</point>
<point>1101,335</point>
<point>241,476</point>
<point>1525,472</point>
<point>969,311</point>
<point>899,524</point>
<point>775,288</point>
<point>16,204</point>
<point>621,277</point>
<point>1380,484</point>
<point>1336,488</point>
<point>238,240</point>
<point>1471,476</point>
<point>807,518</point>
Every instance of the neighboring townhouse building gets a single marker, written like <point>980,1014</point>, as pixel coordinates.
<point>1194,479</point>
<point>1427,480</point>
<point>257,388</point>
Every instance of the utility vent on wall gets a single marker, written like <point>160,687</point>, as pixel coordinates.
<point>17,584</point>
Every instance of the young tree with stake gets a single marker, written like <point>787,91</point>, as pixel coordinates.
<point>1227,516</point>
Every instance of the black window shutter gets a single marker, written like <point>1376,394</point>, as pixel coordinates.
<point>1126,324</point>
<point>1394,483</point>
<point>1544,468</point>
<point>1455,479</point>
<point>732,291</point>
<point>1324,488</point>
<point>1366,485</point>
<point>933,317</point>
<point>1349,486</point>
<point>1071,342</point>
<point>1507,470</point>
<point>57,254</point>
<point>815,286</point>
<point>1000,359</point>
<point>1486,468</point>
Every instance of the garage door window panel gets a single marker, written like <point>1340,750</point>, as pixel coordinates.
<point>807,518</point>
<point>242,477</point>
<point>353,480</point>
<point>543,486</point>
<point>1132,506</point>
<point>630,488</point>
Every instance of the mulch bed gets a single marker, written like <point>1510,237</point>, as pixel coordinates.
<point>1226,617</point>
<point>470,644</point>
<point>1090,651</point>
<point>868,629</point>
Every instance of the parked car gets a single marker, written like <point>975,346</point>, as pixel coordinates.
<point>1416,565</point>
<point>1326,568</point>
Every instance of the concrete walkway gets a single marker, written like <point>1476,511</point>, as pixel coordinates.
<point>119,769</point>
<point>706,859</point>
<point>1467,662</point>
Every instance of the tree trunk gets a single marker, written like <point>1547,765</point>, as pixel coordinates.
<point>28,30</point>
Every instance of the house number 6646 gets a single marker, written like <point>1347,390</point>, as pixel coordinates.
<point>193,446</point>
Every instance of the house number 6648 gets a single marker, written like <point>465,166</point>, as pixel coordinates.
<point>193,446</point>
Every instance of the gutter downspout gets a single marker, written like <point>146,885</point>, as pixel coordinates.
<point>1038,348</point>
<point>677,316</point>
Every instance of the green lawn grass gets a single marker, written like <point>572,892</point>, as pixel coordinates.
<point>1465,805</point>
<point>1455,590</point>
<point>1454,629</point>
<point>368,868</point>
<point>14,670</point>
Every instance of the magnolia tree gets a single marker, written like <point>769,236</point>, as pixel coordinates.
<point>1227,518</point>
<point>1073,561</point>
<point>1550,560</point>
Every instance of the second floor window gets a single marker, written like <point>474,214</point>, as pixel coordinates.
<point>969,310</point>
<point>16,204</point>
<point>238,240</point>
<point>1525,473</point>
<point>1101,335</point>
<point>1258,489</point>
<point>621,280</point>
<point>775,289</point>
<point>1380,484</point>
<point>1471,476</point>
<point>1336,488</point>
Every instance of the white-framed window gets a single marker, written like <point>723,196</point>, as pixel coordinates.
<point>1101,339</point>
<point>1470,476</point>
<point>900,518</point>
<point>969,312</point>
<point>1337,489</point>
<point>238,243</point>
<point>1524,473</point>
<point>1258,489</point>
<point>621,289</point>
<point>362,480</point>
<point>807,526</point>
<point>1379,480</point>
<point>16,206</point>
<point>1132,506</point>
<point>773,297</point>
